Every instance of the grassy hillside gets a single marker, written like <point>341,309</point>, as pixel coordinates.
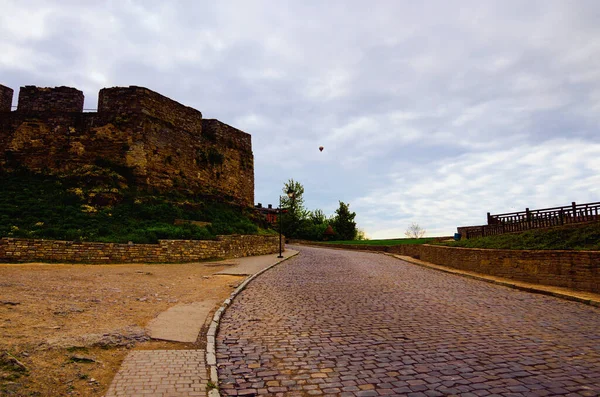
<point>571,237</point>
<point>100,207</point>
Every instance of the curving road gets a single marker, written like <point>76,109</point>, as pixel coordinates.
<point>343,323</point>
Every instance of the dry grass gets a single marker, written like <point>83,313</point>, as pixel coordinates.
<point>52,312</point>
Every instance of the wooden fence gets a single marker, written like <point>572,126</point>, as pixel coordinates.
<point>533,219</point>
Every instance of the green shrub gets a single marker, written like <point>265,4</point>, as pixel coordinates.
<point>39,206</point>
<point>570,237</point>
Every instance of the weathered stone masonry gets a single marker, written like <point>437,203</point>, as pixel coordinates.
<point>34,99</point>
<point>14,250</point>
<point>166,145</point>
<point>6,96</point>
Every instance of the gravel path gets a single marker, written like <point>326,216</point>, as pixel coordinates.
<point>343,323</point>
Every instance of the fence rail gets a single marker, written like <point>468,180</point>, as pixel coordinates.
<point>534,219</point>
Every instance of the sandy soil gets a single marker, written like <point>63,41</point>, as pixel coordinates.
<point>65,329</point>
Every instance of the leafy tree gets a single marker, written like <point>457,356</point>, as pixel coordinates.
<point>318,217</point>
<point>298,222</point>
<point>414,231</point>
<point>313,226</point>
<point>312,231</point>
<point>294,207</point>
<point>343,222</point>
<point>361,235</point>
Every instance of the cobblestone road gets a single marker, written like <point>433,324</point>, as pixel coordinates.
<point>342,323</point>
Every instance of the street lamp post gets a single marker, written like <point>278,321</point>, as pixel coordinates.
<point>291,194</point>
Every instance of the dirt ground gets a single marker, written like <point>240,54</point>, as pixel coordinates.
<point>65,329</point>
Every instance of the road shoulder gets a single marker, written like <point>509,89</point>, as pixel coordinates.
<point>558,292</point>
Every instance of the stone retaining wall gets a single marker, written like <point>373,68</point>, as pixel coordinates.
<point>578,270</point>
<point>571,269</point>
<point>14,250</point>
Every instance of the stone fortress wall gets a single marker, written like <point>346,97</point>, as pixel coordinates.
<point>166,145</point>
<point>6,96</point>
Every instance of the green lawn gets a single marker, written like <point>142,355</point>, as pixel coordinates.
<point>571,237</point>
<point>400,241</point>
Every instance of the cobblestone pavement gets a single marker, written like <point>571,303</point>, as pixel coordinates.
<point>342,323</point>
<point>161,373</point>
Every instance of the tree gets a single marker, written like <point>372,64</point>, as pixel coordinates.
<point>343,222</point>
<point>361,235</point>
<point>294,209</point>
<point>298,222</point>
<point>414,231</point>
<point>318,217</point>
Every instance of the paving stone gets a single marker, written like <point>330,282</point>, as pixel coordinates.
<point>327,317</point>
<point>161,373</point>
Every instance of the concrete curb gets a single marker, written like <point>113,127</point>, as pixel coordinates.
<point>522,286</point>
<point>211,335</point>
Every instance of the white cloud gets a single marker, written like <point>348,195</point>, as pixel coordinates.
<point>334,84</point>
<point>20,23</point>
<point>461,190</point>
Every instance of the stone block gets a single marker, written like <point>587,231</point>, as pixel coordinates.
<point>34,99</point>
<point>6,97</point>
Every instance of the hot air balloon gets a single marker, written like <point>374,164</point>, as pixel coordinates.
<point>321,148</point>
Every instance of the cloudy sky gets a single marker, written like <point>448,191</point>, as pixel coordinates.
<point>432,112</point>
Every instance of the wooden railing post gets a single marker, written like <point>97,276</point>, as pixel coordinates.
<point>587,214</point>
<point>545,217</point>
<point>562,216</point>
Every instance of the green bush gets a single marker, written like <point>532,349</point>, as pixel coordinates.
<point>571,237</point>
<point>41,206</point>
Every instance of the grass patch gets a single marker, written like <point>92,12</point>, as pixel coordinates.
<point>571,237</point>
<point>43,206</point>
<point>400,241</point>
<point>11,368</point>
<point>210,386</point>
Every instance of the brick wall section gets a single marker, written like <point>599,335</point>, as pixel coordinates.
<point>473,231</point>
<point>61,142</point>
<point>218,131</point>
<point>124,100</point>
<point>166,251</point>
<point>34,99</point>
<point>6,97</point>
<point>578,270</point>
<point>571,269</point>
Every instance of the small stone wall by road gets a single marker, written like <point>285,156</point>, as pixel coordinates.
<point>571,269</point>
<point>578,270</point>
<point>14,250</point>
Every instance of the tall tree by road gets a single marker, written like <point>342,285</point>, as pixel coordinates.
<point>343,223</point>
<point>294,206</point>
